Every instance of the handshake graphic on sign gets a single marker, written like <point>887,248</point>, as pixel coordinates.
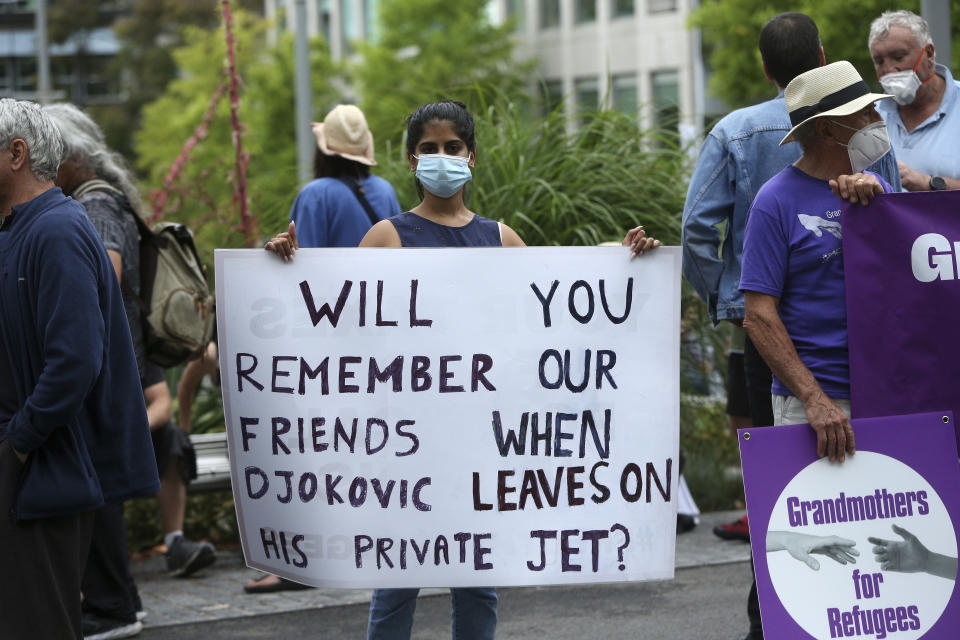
<point>908,555</point>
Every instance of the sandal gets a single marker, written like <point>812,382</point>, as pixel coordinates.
<point>282,584</point>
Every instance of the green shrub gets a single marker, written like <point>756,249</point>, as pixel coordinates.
<point>561,188</point>
<point>711,453</point>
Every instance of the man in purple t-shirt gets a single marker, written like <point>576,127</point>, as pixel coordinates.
<point>792,274</point>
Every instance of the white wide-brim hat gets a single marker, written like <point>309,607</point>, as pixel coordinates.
<point>835,89</point>
<point>344,133</point>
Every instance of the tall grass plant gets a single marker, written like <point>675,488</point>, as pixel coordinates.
<point>560,187</point>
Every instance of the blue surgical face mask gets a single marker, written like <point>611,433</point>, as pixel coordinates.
<point>442,175</point>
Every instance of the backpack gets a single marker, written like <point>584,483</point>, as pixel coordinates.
<point>176,306</point>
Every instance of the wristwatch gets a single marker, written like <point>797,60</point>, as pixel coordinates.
<point>937,183</point>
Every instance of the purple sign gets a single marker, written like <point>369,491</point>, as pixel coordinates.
<point>901,256</point>
<point>866,548</point>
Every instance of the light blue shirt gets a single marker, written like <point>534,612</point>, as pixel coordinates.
<point>933,147</point>
<point>739,155</point>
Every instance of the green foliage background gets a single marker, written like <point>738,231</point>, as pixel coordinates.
<point>428,50</point>
<point>553,185</point>
<point>203,195</point>
<point>731,28</point>
<point>557,187</point>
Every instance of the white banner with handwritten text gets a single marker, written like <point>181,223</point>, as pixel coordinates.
<point>453,417</point>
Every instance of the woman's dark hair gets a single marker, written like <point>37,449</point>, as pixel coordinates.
<point>451,111</point>
<point>325,166</point>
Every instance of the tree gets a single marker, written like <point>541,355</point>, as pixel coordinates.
<point>149,31</point>
<point>203,195</point>
<point>731,28</point>
<point>429,50</point>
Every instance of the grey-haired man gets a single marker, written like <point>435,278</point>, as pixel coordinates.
<point>73,429</point>
<point>923,119</point>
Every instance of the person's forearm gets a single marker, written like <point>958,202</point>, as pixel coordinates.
<point>186,392</point>
<point>711,200</point>
<point>768,334</point>
<point>159,415</point>
<point>700,243</point>
<point>942,566</point>
<point>776,541</point>
<point>68,309</point>
<point>184,411</point>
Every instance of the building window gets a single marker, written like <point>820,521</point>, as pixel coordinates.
<point>588,97</point>
<point>660,6</point>
<point>551,96</point>
<point>517,12</point>
<point>666,109</point>
<point>25,74</point>
<point>370,20</point>
<point>625,97</point>
<point>549,13</point>
<point>6,75</point>
<point>62,77</point>
<point>12,6</point>
<point>100,83</point>
<point>585,10</point>
<point>325,19</point>
<point>348,25</point>
<point>622,8</point>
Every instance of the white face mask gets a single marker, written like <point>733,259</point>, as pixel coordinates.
<point>903,85</point>
<point>867,145</point>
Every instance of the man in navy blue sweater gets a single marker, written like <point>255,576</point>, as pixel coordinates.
<point>73,426</point>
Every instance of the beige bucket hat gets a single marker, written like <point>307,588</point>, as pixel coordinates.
<point>835,89</point>
<point>344,133</point>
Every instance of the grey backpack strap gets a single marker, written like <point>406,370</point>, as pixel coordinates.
<point>94,185</point>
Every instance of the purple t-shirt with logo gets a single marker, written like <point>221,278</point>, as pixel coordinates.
<point>792,250</point>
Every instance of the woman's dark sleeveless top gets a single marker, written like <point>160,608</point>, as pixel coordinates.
<point>415,231</point>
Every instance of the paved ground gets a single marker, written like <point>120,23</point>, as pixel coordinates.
<point>701,603</point>
<point>217,594</point>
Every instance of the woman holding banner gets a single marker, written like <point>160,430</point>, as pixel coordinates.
<point>441,150</point>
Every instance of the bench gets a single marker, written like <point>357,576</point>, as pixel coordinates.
<point>213,464</point>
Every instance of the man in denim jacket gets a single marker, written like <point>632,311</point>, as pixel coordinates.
<point>739,155</point>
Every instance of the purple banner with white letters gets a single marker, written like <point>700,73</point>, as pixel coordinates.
<point>900,258</point>
<point>866,548</point>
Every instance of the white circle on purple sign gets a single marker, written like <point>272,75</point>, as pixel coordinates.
<point>828,506</point>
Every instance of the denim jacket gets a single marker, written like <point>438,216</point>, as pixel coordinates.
<point>737,157</point>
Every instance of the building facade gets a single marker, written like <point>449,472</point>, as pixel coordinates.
<point>80,67</point>
<point>340,22</point>
<point>636,56</point>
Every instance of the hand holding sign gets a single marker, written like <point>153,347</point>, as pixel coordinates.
<point>639,242</point>
<point>859,187</point>
<point>801,545</point>
<point>834,434</point>
<point>284,244</point>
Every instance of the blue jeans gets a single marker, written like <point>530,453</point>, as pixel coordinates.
<point>473,613</point>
